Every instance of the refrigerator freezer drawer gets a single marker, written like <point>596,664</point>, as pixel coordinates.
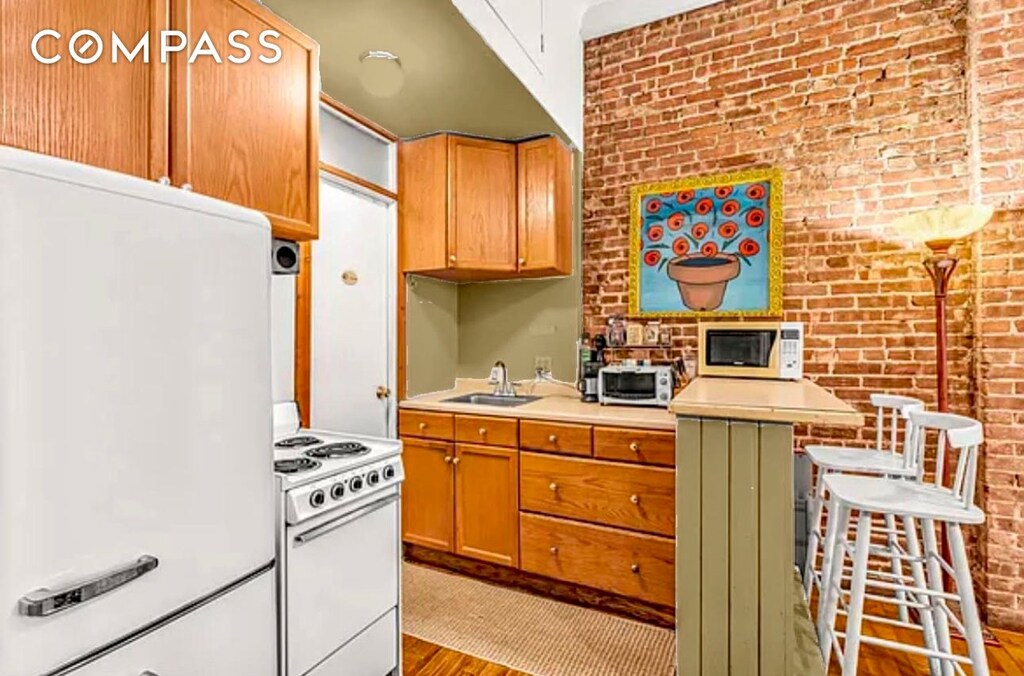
<point>234,634</point>
<point>372,653</point>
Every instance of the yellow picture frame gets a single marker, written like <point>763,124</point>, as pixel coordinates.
<point>773,176</point>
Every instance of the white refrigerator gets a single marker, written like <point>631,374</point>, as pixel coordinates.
<point>136,490</point>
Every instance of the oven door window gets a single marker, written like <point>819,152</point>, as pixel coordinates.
<point>751,348</point>
<point>630,385</point>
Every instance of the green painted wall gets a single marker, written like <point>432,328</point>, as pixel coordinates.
<point>432,334</point>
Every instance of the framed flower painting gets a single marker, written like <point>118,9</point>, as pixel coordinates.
<point>707,246</point>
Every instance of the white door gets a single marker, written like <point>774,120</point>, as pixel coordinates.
<point>353,302</point>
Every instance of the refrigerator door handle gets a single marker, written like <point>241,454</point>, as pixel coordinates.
<point>43,602</point>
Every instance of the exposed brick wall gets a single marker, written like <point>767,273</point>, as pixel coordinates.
<point>868,108</point>
<point>997,72</point>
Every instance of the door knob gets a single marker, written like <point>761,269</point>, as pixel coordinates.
<point>383,393</point>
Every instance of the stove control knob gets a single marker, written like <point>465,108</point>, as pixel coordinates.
<point>337,491</point>
<point>316,498</point>
<point>355,484</point>
<point>389,472</point>
<point>373,478</point>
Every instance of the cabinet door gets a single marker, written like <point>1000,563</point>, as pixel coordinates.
<point>545,207</point>
<point>110,115</point>
<point>428,499</point>
<point>482,205</point>
<point>487,503</point>
<point>247,133</point>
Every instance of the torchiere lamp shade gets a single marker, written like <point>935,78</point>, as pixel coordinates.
<point>941,227</point>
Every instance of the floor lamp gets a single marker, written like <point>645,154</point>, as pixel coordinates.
<point>940,230</point>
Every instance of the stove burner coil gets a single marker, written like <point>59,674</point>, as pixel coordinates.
<point>345,449</point>
<point>295,465</point>
<point>297,442</point>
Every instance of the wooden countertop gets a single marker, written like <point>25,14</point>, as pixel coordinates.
<point>558,403</point>
<point>765,400</point>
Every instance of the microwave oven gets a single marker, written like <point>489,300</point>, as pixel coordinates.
<point>751,349</point>
<point>635,385</point>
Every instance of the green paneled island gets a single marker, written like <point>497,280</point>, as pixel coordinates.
<point>738,609</point>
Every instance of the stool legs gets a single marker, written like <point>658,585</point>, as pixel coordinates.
<point>968,606</point>
<point>896,566</point>
<point>831,576</point>
<point>932,555</point>
<point>855,611</point>
<point>920,581</point>
<point>813,538</point>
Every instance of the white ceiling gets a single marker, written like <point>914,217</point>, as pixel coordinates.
<point>603,17</point>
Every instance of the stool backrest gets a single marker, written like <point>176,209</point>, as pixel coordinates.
<point>891,413</point>
<point>954,433</point>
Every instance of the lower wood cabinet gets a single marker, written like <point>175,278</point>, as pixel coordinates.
<point>632,564</point>
<point>487,503</point>
<point>462,498</point>
<point>428,493</point>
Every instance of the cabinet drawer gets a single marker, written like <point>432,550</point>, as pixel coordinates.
<point>613,494</point>
<point>555,437</point>
<point>633,445</point>
<point>478,429</point>
<point>427,425</point>
<point>631,564</point>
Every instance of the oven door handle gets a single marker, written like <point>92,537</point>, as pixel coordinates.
<point>334,524</point>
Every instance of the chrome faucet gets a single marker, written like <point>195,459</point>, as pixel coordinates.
<point>503,387</point>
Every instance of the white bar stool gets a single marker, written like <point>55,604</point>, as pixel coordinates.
<point>888,460</point>
<point>933,504</point>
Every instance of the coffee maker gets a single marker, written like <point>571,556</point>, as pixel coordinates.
<point>591,362</point>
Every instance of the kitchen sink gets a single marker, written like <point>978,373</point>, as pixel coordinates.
<point>484,399</point>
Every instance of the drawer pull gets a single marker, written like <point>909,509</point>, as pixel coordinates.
<point>423,426</point>
<point>635,499</point>
<point>635,447</point>
<point>483,431</point>
<point>552,486</point>
<point>447,459</point>
<point>635,568</point>
<point>554,551</point>
<point>552,439</point>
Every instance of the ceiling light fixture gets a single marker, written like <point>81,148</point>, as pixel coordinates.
<point>381,73</point>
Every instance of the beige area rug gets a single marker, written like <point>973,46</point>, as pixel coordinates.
<point>529,633</point>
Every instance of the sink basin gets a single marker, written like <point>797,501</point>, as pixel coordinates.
<point>491,400</point>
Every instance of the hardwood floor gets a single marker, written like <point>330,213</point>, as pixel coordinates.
<point>420,658</point>
<point>426,659</point>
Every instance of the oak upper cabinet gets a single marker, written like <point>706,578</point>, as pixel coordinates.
<point>241,132</point>
<point>110,115</point>
<point>428,497</point>
<point>487,503</point>
<point>247,132</point>
<point>545,207</point>
<point>462,201</point>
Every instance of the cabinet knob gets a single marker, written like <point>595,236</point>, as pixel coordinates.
<point>164,180</point>
<point>635,447</point>
<point>187,187</point>
<point>423,426</point>
<point>552,439</point>
<point>447,459</point>
<point>483,431</point>
<point>552,487</point>
<point>452,258</point>
<point>522,262</point>
<point>554,551</point>
<point>455,461</point>
<point>635,568</point>
<point>635,499</point>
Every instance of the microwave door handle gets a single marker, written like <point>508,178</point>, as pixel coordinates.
<point>44,602</point>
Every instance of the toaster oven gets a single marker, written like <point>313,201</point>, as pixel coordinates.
<point>635,385</point>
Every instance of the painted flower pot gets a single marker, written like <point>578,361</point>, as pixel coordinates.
<point>702,279</point>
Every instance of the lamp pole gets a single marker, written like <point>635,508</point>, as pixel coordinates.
<point>940,268</point>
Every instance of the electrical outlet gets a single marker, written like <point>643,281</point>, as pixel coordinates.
<point>542,363</point>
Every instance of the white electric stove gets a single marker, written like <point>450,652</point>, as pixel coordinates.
<point>339,550</point>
